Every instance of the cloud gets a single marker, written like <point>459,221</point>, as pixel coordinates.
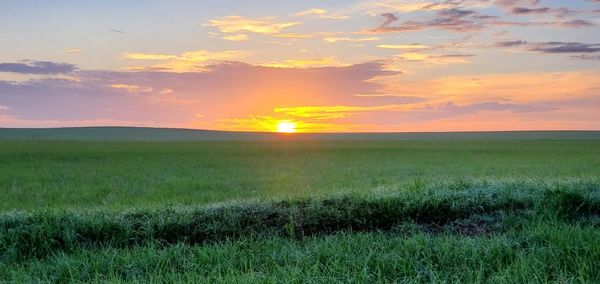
<point>436,59</point>
<point>458,20</point>
<point>348,39</point>
<point>404,46</point>
<point>221,92</point>
<point>512,43</point>
<point>148,56</point>
<point>405,6</point>
<point>469,20</point>
<point>116,31</point>
<point>236,37</point>
<point>269,123</point>
<point>237,24</point>
<point>526,11</point>
<point>321,13</point>
<point>187,61</point>
<point>566,47</point>
<point>303,63</point>
<point>451,107</point>
<point>293,35</point>
<point>331,112</point>
<point>552,47</point>
<point>132,88</point>
<point>314,11</point>
<point>558,24</point>
<point>240,96</point>
<point>513,3</point>
<point>38,68</point>
<point>72,50</point>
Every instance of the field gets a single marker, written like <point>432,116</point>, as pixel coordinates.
<point>510,207</point>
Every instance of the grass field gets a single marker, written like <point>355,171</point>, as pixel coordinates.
<point>385,210</point>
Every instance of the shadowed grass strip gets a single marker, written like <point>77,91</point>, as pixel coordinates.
<point>39,234</point>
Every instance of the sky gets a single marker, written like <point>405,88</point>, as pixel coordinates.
<point>305,66</point>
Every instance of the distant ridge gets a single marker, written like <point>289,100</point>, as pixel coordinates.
<point>175,134</point>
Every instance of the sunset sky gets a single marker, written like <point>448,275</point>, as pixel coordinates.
<point>323,66</point>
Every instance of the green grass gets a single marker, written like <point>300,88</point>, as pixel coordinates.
<point>462,232</point>
<point>542,253</point>
<point>482,210</point>
<point>148,174</point>
<point>174,134</point>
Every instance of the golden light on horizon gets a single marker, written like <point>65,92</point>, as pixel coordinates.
<point>286,126</point>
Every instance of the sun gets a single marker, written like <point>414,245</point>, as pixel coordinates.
<point>286,126</point>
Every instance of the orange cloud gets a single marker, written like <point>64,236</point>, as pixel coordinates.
<point>148,56</point>
<point>523,88</point>
<point>237,24</point>
<point>332,112</point>
<point>187,61</point>
<point>268,123</point>
<point>303,63</point>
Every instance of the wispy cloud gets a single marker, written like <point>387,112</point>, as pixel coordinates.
<point>321,13</point>
<point>237,24</point>
<point>236,37</point>
<point>314,11</point>
<point>132,88</point>
<point>38,67</point>
<point>461,19</point>
<point>304,63</point>
<point>350,39</point>
<point>72,50</point>
<point>187,61</point>
<point>331,112</point>
<point>436,59</point>
<point>552,46</point>
<point>458,20</point>
<point>412,46</point>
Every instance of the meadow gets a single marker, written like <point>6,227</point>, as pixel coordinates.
<point>280,210</point>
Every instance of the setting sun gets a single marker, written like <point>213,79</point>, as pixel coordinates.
<point>286,126</point>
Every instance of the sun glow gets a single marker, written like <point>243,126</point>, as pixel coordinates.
<point>286,126</point>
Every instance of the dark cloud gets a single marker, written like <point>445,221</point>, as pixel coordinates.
<point>459,19</point>
<point>525,11</point>
<point>566,47</point>
<point>552,46</point>
<point>116,31</point>
<point>511,43</point>
<point>448,19</point>
<point>514,3</point>
<point>38,68</point>
<point>389,19</point>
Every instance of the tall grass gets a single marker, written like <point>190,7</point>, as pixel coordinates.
<point>483,207</point>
